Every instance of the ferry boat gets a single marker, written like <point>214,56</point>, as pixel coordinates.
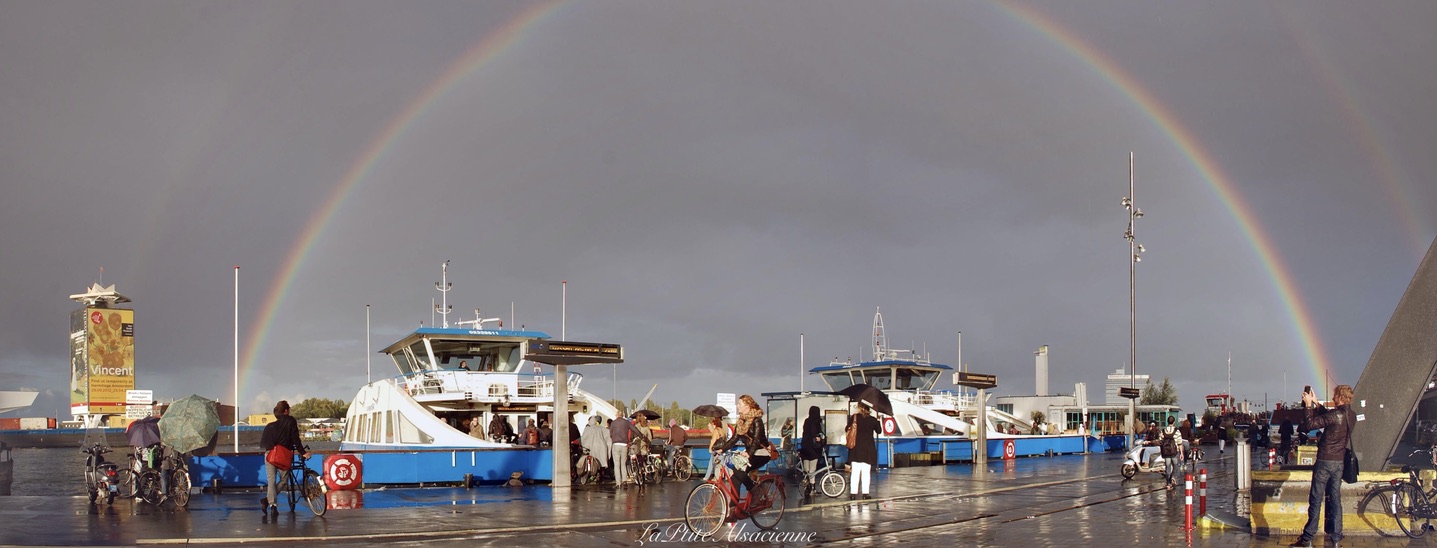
<point>925,420</point>
<point>450,376</point>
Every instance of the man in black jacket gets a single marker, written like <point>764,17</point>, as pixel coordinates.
<point>1336,425</point>
<point>283,432</point>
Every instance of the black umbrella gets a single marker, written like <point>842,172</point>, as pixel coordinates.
<point>710,410</point>
<point>144,432</point>
<point>651,415</point>
<point>875,398</point>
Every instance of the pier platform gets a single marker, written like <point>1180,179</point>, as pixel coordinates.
<point>1075,500</point>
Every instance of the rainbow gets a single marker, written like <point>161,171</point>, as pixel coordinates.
<point>1201,159</point>
<point>490,47</point>
<point>1389,172</point>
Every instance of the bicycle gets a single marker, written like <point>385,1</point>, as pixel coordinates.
<point>1404,501</point>
<point>715,502</point>
<point>683,467</point>
<point>300,482</point>
<point>829,480</point>
<point>587,471</point>
<point>168,478</point>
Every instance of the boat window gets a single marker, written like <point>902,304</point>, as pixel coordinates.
<point>916,379</point>
<point>389,427</point>
<point>881,379</point>
<point>779,411</point>
<point>401,359</point>
<point>838,380</point>
<point>373,423</point>
<point>420,352</point>
<point>507,362</point>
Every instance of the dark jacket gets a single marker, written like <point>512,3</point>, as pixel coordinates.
<point>865,449</point>
<point>810,447</point>
<point>755,438</point>
<point>1336,425</point>
<point>283,431</point>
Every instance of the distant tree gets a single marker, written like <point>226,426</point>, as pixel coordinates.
<point>319,408</point>
<point>1165,394</point>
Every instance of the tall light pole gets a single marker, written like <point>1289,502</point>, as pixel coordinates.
<point>1135,251</point>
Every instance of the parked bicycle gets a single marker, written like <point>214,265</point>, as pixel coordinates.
<point>1403,500</point>
<point>715,502</point>
<point>161,474</point>
<point>302,483</point>
<point>828,479</point>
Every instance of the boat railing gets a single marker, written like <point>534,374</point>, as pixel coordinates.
<point>944,400</point>
<point>542,386</point>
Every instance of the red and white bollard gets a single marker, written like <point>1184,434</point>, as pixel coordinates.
<point>1202,492</point>
<point>1188,507</point>
<point>1271,458</point>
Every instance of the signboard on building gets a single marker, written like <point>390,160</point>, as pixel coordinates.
<point>1130,393</point>
<point>102,359</point>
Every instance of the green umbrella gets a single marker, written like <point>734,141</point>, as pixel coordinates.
<point>189,423</point>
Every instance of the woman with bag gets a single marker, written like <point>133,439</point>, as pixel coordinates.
<point>862,451</point>
<point>280,442</point>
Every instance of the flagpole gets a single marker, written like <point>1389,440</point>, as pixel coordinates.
<point>237,400</point>
<point>367,352</point>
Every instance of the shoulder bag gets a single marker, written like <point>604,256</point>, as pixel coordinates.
<point>852,434</point>
<point>1349,458</point>
<point>280,457</point>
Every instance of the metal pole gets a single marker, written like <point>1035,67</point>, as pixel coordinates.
<point>800,363</point>
<point>980,449</point>
<point>237,402</point>
<point>367,352</point>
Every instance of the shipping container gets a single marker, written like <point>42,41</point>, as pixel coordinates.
<point>36,423</point>
<point>10,424</point>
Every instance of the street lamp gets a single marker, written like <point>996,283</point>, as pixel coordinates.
<point>1135,251</point>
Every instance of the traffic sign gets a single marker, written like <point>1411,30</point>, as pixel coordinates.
<point>1130,393</point>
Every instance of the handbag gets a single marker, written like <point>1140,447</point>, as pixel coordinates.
<point>852,434</point>
<point>280,457</point>
<point>1349,461</point>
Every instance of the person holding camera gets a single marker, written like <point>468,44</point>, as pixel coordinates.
<point>1336,424</point>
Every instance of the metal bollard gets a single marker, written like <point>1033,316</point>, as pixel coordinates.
<point>215,483</point>
<point>1243,466</point>
<point>1188,503</point>
<point>1202,492</point>
<point>1271,457</point>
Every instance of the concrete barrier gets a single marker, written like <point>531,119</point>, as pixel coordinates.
<point>1279,503</point>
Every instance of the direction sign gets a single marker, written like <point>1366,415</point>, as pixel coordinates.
<point>975,380</point>
<point>140,397</point>
<point>1130,393</point>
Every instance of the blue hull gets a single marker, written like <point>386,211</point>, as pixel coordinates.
<point>420,467</point>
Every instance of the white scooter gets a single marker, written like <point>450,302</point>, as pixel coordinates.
<point>1134,463</point>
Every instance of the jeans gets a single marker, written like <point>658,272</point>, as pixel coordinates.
<point>272,488</point>
<point>669,452</point>
<point>1326,482</point>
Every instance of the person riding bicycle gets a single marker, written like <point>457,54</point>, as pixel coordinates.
<point>283,432</point>
<point>751,432</point>
<point>675,444</point>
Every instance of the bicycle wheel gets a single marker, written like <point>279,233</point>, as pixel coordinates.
<point>683,468</point>
<point>833,484</point>
<point>656,473</point>
<point>126,481</point>
<point>766,504</point>
<point>151,487</point>
<point>1378,510</point>
<point>1409,499</point>
<point>636,472</point>
<point>314,493</point>
<point>180,486</point>
<point>706,509</point>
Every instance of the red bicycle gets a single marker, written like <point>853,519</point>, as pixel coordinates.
<point>716,502</point>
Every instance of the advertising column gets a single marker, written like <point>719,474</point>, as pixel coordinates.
<point>111,358</point>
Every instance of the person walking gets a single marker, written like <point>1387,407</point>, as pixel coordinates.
<point>621,432</point>
<point>718,433</point>
<point>597,442</point>
<point>1336,424</point>
<point>751,433</point>
<point>1169,447</point>
<point>810,445</point>
<point>283,432</point>
<point>864,454</point>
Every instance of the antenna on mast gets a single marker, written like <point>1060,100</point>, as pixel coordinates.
<point>880,342</point>
<point>444,286</point>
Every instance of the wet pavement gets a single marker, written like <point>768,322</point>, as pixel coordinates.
<point>1067,500</point>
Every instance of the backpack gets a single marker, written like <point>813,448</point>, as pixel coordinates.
<point>1169,444</point>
